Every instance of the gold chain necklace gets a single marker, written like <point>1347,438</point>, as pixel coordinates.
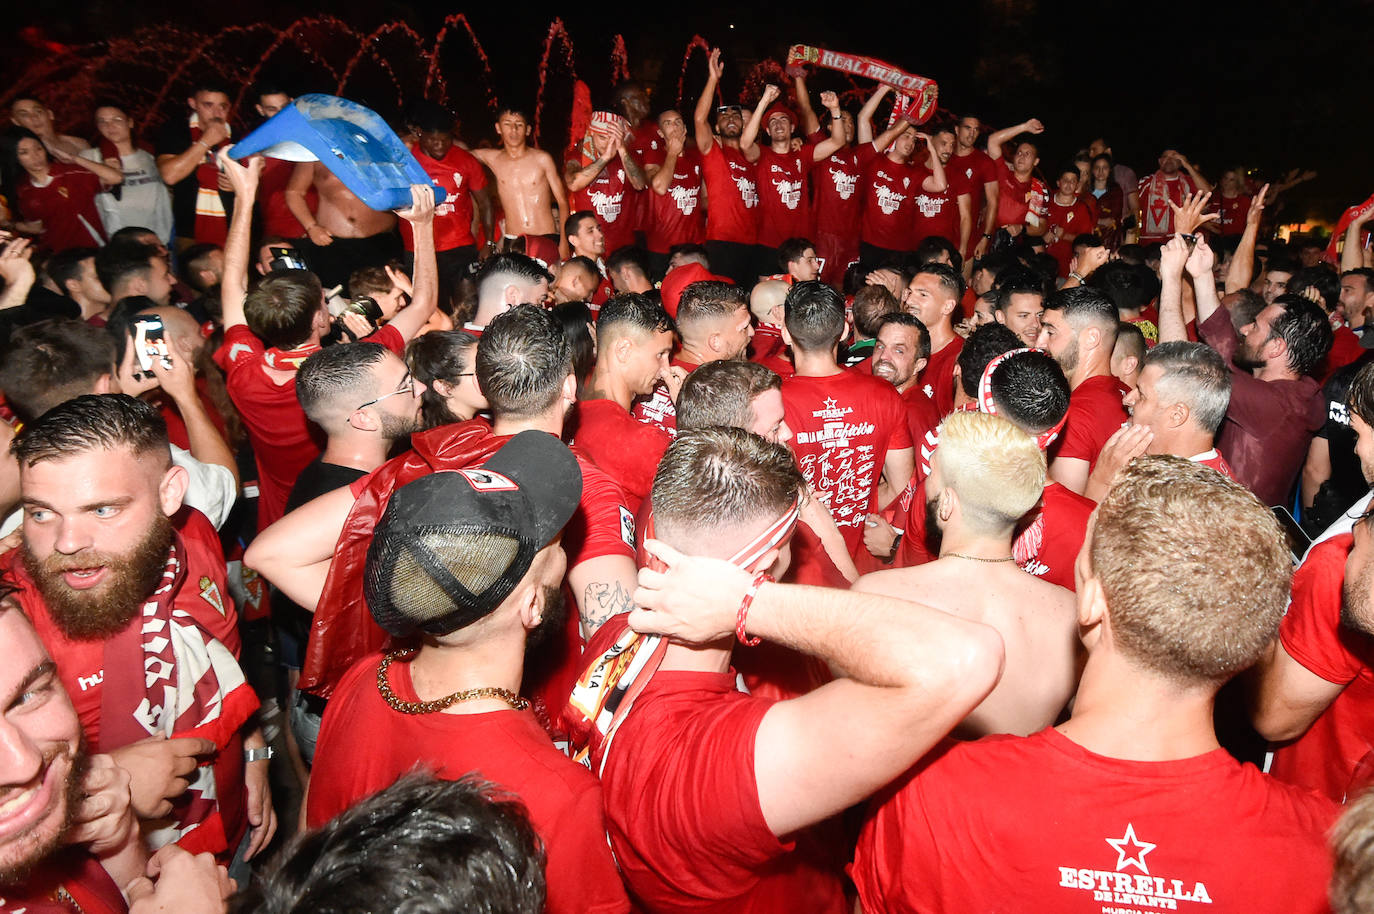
<point>974,558</point>
<point>438,704</point>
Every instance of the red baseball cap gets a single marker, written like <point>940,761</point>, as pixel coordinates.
<point>680,278</point>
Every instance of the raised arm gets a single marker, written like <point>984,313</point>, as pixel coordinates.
<point>1242,269</point>
<point>1199,266</point>
<point>810,123</point>
<point>835,142</point>
<point>176,168</point>
<point>863,121</point>
<point>234,286</point>
<point>747,139</point>
<point>17,271</point>
<point>701,114</point>
<point>937,182</point>
<point>1352,255</point>
<point>425,297</point>
<point>295,552</point>
<point>996,140</point>
<point>906,675</point>
<point>108,175</point>
<point>633,172</point>
<point>1172,256</point>
<point>1203,185</point>
<point>673,142</point>
<point>578,178</point>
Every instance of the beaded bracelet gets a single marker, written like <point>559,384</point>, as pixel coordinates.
<point>744,605</point>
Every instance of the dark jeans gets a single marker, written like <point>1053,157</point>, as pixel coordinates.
<point>333,263</point>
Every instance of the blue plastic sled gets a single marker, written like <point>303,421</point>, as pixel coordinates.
<point>352,141</point>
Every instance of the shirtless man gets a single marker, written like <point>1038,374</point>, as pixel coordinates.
<point>985,475</point>
<point>32,114</point>
<point>343,233</point>
<point>527,181</point>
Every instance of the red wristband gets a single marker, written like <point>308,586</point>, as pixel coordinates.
<point>744,605</point>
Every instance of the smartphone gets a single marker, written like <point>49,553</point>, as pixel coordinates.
<point>150,342</point>
<point>285,259</point>
<point>1298,540</point>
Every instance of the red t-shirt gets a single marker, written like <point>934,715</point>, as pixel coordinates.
<point>176,426</point>
<point>677,217</point>
<point>1336,755</point>
<point>277,218</point>
<point>784,209</point>
<point>610,196</point>
<point>282,438</point>
<point>838,202</point>
<point>768,349</point>
<point>843,426</point>
<point>1065,514</point>
<point>733,194</point>
<point>972,173</point>
<point>889,191</point>
<point>628,450</point>
<point>1018,200</point>
<point>459,174</point>
<point>922,414</point>
<point>657,408</point>
<point>1075,219</point>
<point>1095,414</point>
<point>682,807</point>
<point>1039,823</point>
<point>364,746</point>
<point>1233,212</point>
<point>1345,348</point>
<point>73,870</point>
<point>1156,216</point>
<point>936,214</point>
<point>937,378</point>
<point>66,207</point>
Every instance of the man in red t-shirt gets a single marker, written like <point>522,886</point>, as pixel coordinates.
<point>784,201</point>
<point>732,217</point>
<point>971,170</point>
<point>1315,688</point>
<point>270,331</point>
<point>1068,218</point>
<point>276,217</point>
<point>1020,302</point>
<point>900,353</point>
<point>1022,199</point>
<point>80,844</point>
<point>634,340</point>
<point>890,185</point>
<point>315,555</point>
<point>453,705</point>
<point>850,430</point>
<point>1233,204</point>
<point>1177,407</point>
<point>932,295</point>
<point>1078,328</point>
<point>676,210</point>
<point>135,608</point>
<point>1140,816</point>
<point>466,207</point>
<point>717,800</point>
<point>607,186</point>
<point>948,213</point>
<point>1176,179</point>
<point>714,323</point>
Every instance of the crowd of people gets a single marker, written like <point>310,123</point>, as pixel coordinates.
<point>766,510</point>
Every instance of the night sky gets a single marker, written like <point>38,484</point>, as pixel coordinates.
<point>1255,85</point>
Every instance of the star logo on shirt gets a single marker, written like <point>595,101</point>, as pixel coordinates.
<point>829,402</point>
<point>1137,858</point>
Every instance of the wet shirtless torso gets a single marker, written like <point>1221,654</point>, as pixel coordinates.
<point>525,181</point>
<point>339,212</point>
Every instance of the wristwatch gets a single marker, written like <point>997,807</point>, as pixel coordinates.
<point>260,754</point>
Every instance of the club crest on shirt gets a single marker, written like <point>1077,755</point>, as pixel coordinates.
<point>209,592</point>
<point>1130,887</point>
<point>627,526</point>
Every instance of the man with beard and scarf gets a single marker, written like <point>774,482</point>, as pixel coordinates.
<point>127,590</point>
<point>68,836</point>
<point>985,475</point>
<point>1315,687</point>
<point>1276,406</point>
<point>467,564</point>
<point>1078,328</point>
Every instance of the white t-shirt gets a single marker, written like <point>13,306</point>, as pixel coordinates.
<point>143,198</point>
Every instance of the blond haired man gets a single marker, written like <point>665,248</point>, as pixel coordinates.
<point>985,475</point>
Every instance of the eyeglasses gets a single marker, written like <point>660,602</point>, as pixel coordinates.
<point>407,386</point>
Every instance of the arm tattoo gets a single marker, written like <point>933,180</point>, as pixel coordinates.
<point>602,600</point>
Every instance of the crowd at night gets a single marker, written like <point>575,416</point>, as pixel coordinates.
<point>805,494</point>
